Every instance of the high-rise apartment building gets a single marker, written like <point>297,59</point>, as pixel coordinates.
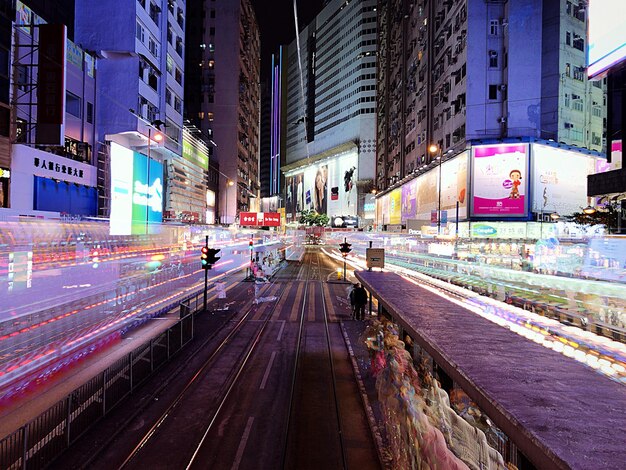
<point>457,73</point>
<point>141,45</point>
<point>223,96</point>
<point>331,96</point>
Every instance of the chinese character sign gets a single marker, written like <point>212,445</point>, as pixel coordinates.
<point>260,219</point>
<point>500,179</point>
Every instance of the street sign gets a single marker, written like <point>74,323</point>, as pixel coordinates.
<point>375,257</point>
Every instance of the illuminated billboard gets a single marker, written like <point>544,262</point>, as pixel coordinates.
<point>607,43</point>
<point>560,179</point>
<point>395,198</point>
<point>328,188</point>
<point>136,191</point>
<point>499,180</point>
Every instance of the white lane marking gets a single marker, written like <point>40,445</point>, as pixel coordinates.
<point>242,445</point>
<point>267,371</point>
<point>280,332</point>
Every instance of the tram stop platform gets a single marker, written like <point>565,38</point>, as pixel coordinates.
<point>558,412</point>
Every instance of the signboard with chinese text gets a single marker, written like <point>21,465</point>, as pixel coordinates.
<point>259,219</point>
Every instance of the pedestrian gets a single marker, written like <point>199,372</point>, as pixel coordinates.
<point>360,300</point>
<point>352,296</point>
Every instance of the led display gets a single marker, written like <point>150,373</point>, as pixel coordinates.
<point>607,43</point>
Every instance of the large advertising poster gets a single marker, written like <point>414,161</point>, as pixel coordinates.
<point>395,198</point>
<point>427,196</point>
<point>409,200</point>
<point>136,192</point>
<point>607,43</point>
<point>560,179</point>
<point>499,180</point>
<point>341,185</point>
<point>454,185</point>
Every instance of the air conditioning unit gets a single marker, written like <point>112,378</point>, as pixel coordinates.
<point>502,87</point>
<point>504,21</point>
<point>493,54</point>
<point>569,125</point>
<point>502,120</point>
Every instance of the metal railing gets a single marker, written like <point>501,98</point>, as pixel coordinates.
<point>36,444</point>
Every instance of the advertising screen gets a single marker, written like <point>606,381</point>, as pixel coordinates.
<point>395,198</point>
<point>607,43</point>
<point>136,191</point>
<point>499,180</point>
<point>560,179</point>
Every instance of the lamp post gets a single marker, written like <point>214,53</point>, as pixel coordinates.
<point>435,149</point>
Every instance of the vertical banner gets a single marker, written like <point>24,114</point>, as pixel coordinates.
<point>51,85</point>
<point>499,180</point>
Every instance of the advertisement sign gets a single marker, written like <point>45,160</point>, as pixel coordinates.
<point>294,196</point>
<point>260,219</point>
<point>395,197</point>
<point>454,184</point>
<point>560,179</point>
<point>409,200</point>
<point>499,180</point>
<point>136,191</point>
<point>607,43</point>
<point>194,153</point>
<point>51,85</point>
<point>375,257</point>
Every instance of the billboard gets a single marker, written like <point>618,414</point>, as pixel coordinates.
<point>607,43</point>
<point>395,198</point>
<point>560,179</point>
<point>260,219</point>
<point>136,191</point>
<point>328,188</point>
<point>51,85</point>
<point>499,180</point>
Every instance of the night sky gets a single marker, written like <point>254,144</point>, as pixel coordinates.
<point>275,19</point>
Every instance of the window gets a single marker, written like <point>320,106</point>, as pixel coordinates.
<point>153,81</point>
<point>154,12</point>
<point>210,117</point>
<point>178,104</point>
<point>597,111</point>
<point>494,27</point>
<point>493,92</point>
<point>170,35</point>
<point>578,42</point>
<point>579,73</point>
<point>142,3</point>
<point>568,8</point>
<point>568,69</point>
<point>22,80</point>
<point>72,104</point>
<point>212,31</point>
<point>140,33</point>
<point>567,100</point>
<point>212,15</point>
<point>568,38</point>
<point>179,46</point>
<point>89,112</point>
<point>168,96</point>
<point>178,76</point>
<point>493,59</point>
<point>169,65</point>
<point>153,47</point>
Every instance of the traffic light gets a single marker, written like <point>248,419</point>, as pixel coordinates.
<point>345,248</point>
<point>212,258</point>
<point>95,258</point>
<point>251,245</point>
<point>204,257</point>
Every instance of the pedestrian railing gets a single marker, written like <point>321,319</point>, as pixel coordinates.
<point>36,444</point>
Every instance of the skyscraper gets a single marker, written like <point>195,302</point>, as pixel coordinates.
<point>223,97</point>
<point>330,113</point>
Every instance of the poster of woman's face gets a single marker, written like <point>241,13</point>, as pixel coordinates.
<point>320,187</point>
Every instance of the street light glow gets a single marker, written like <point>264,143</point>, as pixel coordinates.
<point>434,148</point>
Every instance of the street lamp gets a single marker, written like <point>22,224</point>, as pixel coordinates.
<point>555,216</point>
<point>435,149</point>
<point>589,210</point>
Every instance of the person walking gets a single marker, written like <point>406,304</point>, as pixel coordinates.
<point>360,300</point>
<point>352,296</point>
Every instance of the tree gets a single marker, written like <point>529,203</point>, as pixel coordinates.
<point>313,218</point>
<point>606,216</point>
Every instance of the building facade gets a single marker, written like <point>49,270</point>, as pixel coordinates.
<point>52,156</point>
<point>456,74</point>
<point>224,97</point>
<point>143,50</point>
<point>7,15</point>
<point>330,123</point>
